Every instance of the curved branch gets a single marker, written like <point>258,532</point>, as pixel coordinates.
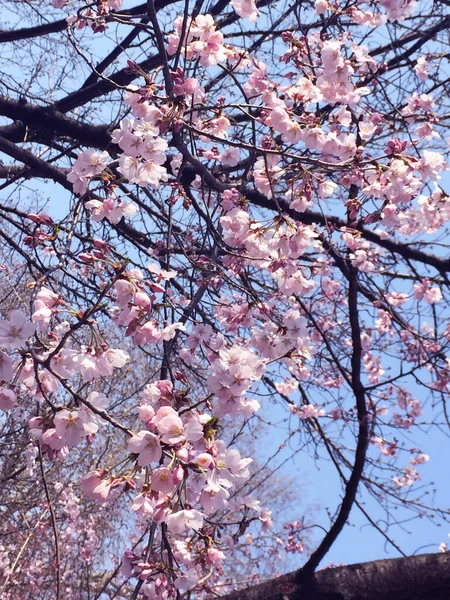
<point>49,120</point>
<point>32,161</point>
<point>363,432</point>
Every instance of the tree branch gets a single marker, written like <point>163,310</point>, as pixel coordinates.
<point>423,577</point>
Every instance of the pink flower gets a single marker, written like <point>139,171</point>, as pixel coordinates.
<point>73,426</point>
<point>214,555</point>
<point>420,459</point>
<point>91,162</point>
<point>230,157</point>
<point>309,411</point>
<point>6,367</point>
<point>146,413</point>
<point>178,475</point>
<point>431,164</point>
<point>246,9</point>
<point>426,131</point>
<point>148,334</point>
<point>162,480</point>
<point>43,305</point>
<point>422,68</point>
<point>147,445</point>
<point>327,188</point>
<point>181,520</point>
<point>165,388</point>
<point>144,505</point>
<point>169,425</point>
<point>204,460</point>
<point>161,273</point>
<point>131,144</point>
<point>94,486</point>
<point>15,331</point>
<point>266,519</point>
<point>398,10</point>
<point>154,149</point>
<point>151,394</point>
<point>236,225</point>
<point>203,27</point>
<point>190,85</point>
<point>187,581</point>
<point>35,427</point>
<point>214,497</point>
<point>87,165</point>
<point>321,7</point>
<point>7,399</point>
<point>99,401</point>
<point>110,359</point>
<point>428,293</point>
<point>433,295</point>
<point>141,172</point>
<point>265,178</point>
<point>42,314</point>
<point>170,331</point>
<point>120,209</point>
<point>193,430</point>
<point>112,209</point>
<point>51,439</point>
<point>47,297</point>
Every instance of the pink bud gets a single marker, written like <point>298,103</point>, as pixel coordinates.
<point>156,287</point>
<point>183,454</point>
<point>143,300</point>
<point>178,475</point>
<point>42,219</point>
<point>101,245</point>
<point>160,514</point>
<point>190,85</point>
<point>132,67</point>
<point>87,258</point>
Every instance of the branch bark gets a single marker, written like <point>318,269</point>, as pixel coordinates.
<point>422,577</point>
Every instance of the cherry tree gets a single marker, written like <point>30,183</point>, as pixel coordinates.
<point>224,244</point>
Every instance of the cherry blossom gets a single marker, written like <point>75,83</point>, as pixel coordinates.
<point>7,399</point>
<point>6,367</point>
<point>87,165</point>
<point>147,445</point>
<point>15,331</point>
<point>94,486</point>
<point>73,426</point>
<point>246,9</point>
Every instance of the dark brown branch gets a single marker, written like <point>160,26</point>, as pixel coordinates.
<point>122,78</point>
<point>423,577</point>
<point>415,35</point>
<point>310,217</point>
<point>27,33</point>
<point>50,120</point>
<point>32,161</point>
<point>114,54</point>
<point>363,431</point>
<point>425,36</point>
<point>54,526</point>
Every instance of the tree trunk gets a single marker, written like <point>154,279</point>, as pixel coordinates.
<point>423,577</point>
